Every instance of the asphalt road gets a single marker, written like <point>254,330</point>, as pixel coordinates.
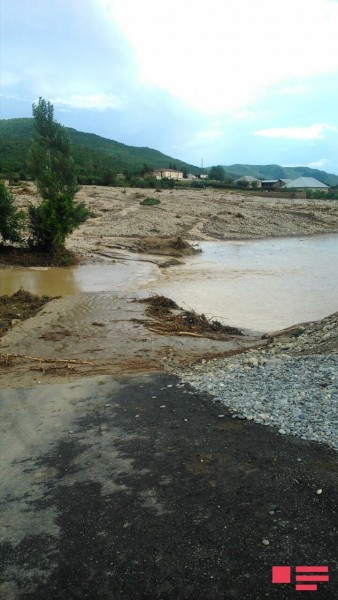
<point>137,489</point>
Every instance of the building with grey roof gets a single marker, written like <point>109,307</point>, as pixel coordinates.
<point>274,183</point>
<point>305,183</point>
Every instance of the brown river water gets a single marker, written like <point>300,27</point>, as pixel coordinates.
<point>261,285</point>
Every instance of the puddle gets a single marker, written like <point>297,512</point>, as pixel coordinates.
<point>54,281</point>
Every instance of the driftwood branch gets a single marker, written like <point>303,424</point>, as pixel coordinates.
<point>163,332</point>
<point>72,361</point>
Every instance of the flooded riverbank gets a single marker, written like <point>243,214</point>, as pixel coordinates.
<point>257,284</point>
<point>260,284</point>
<point>61,281</point>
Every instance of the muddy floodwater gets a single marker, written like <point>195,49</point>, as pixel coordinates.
<point>54,281</point>
<point>261,285</point>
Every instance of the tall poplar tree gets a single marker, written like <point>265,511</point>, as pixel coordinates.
<point>53,168</point>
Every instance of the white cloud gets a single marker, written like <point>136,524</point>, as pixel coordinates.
<point>90,101</point>
<point>294,89</point>
<point>313,132</point>
<point>318,164</point>
<point>205,136</point>
<point>223,55</point>
<point>250,115</point>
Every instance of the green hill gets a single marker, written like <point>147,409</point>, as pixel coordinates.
<point>278,172</point>
<point>94,156</point>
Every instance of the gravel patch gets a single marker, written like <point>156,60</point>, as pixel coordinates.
<point>298,396</point>
<point>291,384</point>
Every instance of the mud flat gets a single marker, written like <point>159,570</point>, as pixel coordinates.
<point>100,333</point>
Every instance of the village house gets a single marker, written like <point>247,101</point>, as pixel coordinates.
<point>167,174</point>
<point>274,183</point>
<point>306,183</point>
<point>249,181</point>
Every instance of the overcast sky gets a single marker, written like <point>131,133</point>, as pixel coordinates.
<point>229,81</point>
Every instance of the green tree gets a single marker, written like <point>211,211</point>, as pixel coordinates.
<point>146,170</point>
<point>53,168</point>
<point>109,177</point>
<point>217,173</point>
<point>11,219</point>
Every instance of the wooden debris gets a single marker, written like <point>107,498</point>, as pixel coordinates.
<point>7,358</point>
<point>169,319</point>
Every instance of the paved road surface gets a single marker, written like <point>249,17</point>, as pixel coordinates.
<point>136,489</point>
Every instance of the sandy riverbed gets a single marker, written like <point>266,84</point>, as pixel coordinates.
<point>207,214</point>
<point>196,215</point>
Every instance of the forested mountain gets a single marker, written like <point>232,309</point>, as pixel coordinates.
<point>95,156</point>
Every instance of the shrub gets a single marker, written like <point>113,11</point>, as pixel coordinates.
<point>11,219</point>
<point>150,201</point>
<point>330,194</point>
<point>198,185</point>
<point>51,222</point>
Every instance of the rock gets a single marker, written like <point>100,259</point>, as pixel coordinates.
<point>252,362</point>
<point>273,361</point>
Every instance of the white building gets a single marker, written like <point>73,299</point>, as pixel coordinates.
<point>167,174</point>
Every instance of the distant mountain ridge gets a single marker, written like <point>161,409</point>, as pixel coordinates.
<point>95,156</point>
<point>278,172</point>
